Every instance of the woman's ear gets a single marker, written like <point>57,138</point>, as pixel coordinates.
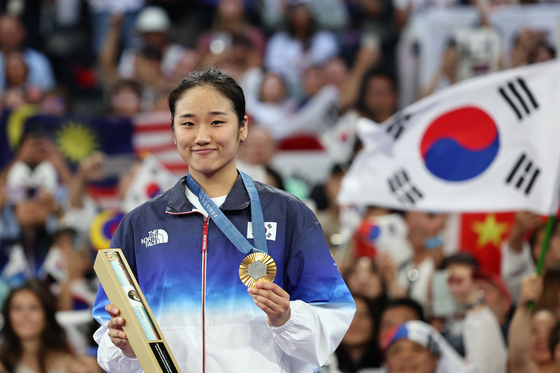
<point>244,131</point>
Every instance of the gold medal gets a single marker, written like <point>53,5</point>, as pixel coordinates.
<point>257,267</point>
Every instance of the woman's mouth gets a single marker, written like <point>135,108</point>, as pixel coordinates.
<point>203,151</point>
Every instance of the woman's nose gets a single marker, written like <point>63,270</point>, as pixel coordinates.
<point>202,135</point>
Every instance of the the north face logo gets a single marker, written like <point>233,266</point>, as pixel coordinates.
<point>155,237</point>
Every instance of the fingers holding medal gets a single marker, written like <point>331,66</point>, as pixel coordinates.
<point>273,300</point>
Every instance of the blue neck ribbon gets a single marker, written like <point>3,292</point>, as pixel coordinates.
<point>225,225</point>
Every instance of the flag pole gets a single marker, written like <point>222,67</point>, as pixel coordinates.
<point>545,244</point>
<point>544,250</point>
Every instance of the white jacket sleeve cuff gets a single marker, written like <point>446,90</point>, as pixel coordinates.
<point>313,331</point>
<point>110,357</point>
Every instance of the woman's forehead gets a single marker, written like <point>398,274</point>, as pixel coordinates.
<point>204,95</point>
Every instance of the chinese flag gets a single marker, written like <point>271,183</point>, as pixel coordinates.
<point>482,235</point>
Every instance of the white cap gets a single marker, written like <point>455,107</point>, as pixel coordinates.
<point>152,19</point>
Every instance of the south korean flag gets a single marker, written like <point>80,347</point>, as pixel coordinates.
<point>490,143</point>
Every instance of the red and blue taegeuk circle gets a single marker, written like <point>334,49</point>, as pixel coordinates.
<point>460,144</point>
<point>152,190</point>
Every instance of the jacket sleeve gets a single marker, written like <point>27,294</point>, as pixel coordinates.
<point>109,356</point>
<point>322,307</point>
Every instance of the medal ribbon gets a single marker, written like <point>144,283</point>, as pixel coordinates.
<point>226,226</point>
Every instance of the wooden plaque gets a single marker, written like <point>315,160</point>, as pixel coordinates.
<point>144,334</point>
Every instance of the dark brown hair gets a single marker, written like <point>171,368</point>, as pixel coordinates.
<point>216,79</point>
<point>53,338</point>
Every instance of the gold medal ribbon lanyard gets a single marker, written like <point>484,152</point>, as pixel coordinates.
<point>258,266</point>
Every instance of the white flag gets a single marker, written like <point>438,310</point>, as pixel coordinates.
<point>487,144</point>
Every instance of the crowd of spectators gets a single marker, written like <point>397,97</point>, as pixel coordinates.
<point>309,69</point>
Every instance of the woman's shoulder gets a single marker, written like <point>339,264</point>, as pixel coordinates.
<point>269,191</point>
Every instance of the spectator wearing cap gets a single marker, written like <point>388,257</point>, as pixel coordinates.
<point>12,38</point>
<point>399,311</point>
<point>152,26</point>
<point>416,347</point>
<point>396,312</point>
<point>532,345</point>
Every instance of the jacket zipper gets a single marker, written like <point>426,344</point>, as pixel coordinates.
<point>204,261</point>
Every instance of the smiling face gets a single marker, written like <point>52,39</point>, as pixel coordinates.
<point>27,316</point>
<point>207,132</point>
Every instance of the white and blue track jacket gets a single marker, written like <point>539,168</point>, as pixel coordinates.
<point>204,310</point>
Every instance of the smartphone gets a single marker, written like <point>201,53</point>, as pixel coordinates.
<point>22,193</point>
<point>443,302</point>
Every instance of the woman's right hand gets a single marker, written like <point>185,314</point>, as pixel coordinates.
<point>116,333</point>
<point>531,290</point>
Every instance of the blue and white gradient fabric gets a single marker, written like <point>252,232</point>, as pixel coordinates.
<point>204,310</point>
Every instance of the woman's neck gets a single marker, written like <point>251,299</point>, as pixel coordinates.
<point>30,352</point>
<point>31,345</point>
<point>546,368</point>
<point>356,352</point>
<point>216,184</point>
<point>302,35</point>
<point>232,25</point>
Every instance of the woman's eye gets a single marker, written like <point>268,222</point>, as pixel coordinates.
<point>188,124</point>
<point>217,122</point>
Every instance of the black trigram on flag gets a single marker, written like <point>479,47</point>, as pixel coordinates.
<point>523,174</point>
<point>519,97</point>
<point>396,128</point>
<point>403,189</point>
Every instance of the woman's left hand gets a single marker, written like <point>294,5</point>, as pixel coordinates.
<point>273,300</point>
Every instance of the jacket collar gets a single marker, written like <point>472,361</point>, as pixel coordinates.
<point>178,203</point>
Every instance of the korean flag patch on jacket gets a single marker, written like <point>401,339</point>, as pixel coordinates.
<point>269,227</point>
